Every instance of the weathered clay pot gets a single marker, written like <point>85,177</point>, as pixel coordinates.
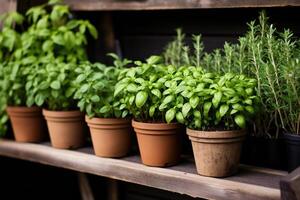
<point>217,153</point>
<point>66,128</point>
<point>28,123</point>
<point>110,137</point>
<point>159,143</point>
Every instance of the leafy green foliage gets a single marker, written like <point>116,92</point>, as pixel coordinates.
<point>95,87</point>
<point>178,53</point>
<point>50,84</point>
<point>58,43</point>
<point>263,53</point>
<point>149,91</point>
<point>52,38</point>
<point>214,102</point>
<point>272,58</point>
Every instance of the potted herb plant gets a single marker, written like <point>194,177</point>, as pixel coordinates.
<point>52,88</point>
<point>27,122</point>
<point>106,115</point>
<point>60,46</point>
<point>215,110</point>
<point>145,91</point>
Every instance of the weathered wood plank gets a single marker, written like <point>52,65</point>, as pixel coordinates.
<point>290,186</point>
<point>181,179</point>
<point>89,5</point>
<point>8,5</point>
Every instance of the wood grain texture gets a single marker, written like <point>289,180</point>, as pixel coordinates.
<point>89,5</point>
<point>8,5</point>
<point>247,184</point>
<point>290,186</point>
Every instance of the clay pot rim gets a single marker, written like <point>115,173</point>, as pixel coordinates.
<point>106,121</point>
<point>154,126</point>
<point>62,114</point>
<point>215,134</point>
<point>23,109</point>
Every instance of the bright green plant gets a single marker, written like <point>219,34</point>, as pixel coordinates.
<point>54,32</point>
<point>50,84</point>
<point>95,84</point>
<point>178,53</point>
<point>148,91</point>
<point>9,43</point>
<point>52,38</point>
<point>56,44</point>
<point>275,64</point>
<point>214,102</point>
<point>265,54</point>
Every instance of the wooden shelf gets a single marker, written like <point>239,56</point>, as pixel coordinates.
<point>96,5</point>
<point>249,183</point>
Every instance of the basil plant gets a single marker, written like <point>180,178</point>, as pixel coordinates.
<point>217,102</point>
<point>50,84</point>
<point>95,86</point>
<point>10,81</point>
<point>148,91</point>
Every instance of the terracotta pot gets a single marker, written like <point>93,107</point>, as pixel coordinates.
<point>159,143</point>
<point>66,128</point>
<point>110,137</point>
<point>28,123</point>
<point>217,153</point>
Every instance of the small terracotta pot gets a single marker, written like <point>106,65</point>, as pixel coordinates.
<point>28,123</point>
<point>217,153</point>
<point>66,128</point>
<point>159,143</point>
<point>110,137</point>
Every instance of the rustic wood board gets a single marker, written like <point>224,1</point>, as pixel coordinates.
<point>90,5</point>
<point>8,5</point>
<point>249,183</point>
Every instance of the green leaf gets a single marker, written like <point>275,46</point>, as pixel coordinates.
<point>119,88</point>
<point>248,101</point>
<point>70,92</point>
<point>122,106</point>
<point>80,78</point>
<point>93,31</point>
<point>206,108</point>
<point>132,87</point>
<point>104,109</point>
<point>197,114</point>
<point>141,98</point>
<point>84,88</point>
<point>186,109</point>
<point>194,101</point>
<point>250,109</point>
<point>216,99</point>
<point>152,111</point>
<point>233,111</point>
<point>170,115</point>
<point>179,117</point>
<point>156,92</point>
<point>39,100</point>
<point>223,109</point>
<point>95,98</point>
<point>240,121</point>
<point>237,107</point>
<point>55,85</point>
<point>153,60</point>
<point>168,99</point>
<point>124,113</point>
